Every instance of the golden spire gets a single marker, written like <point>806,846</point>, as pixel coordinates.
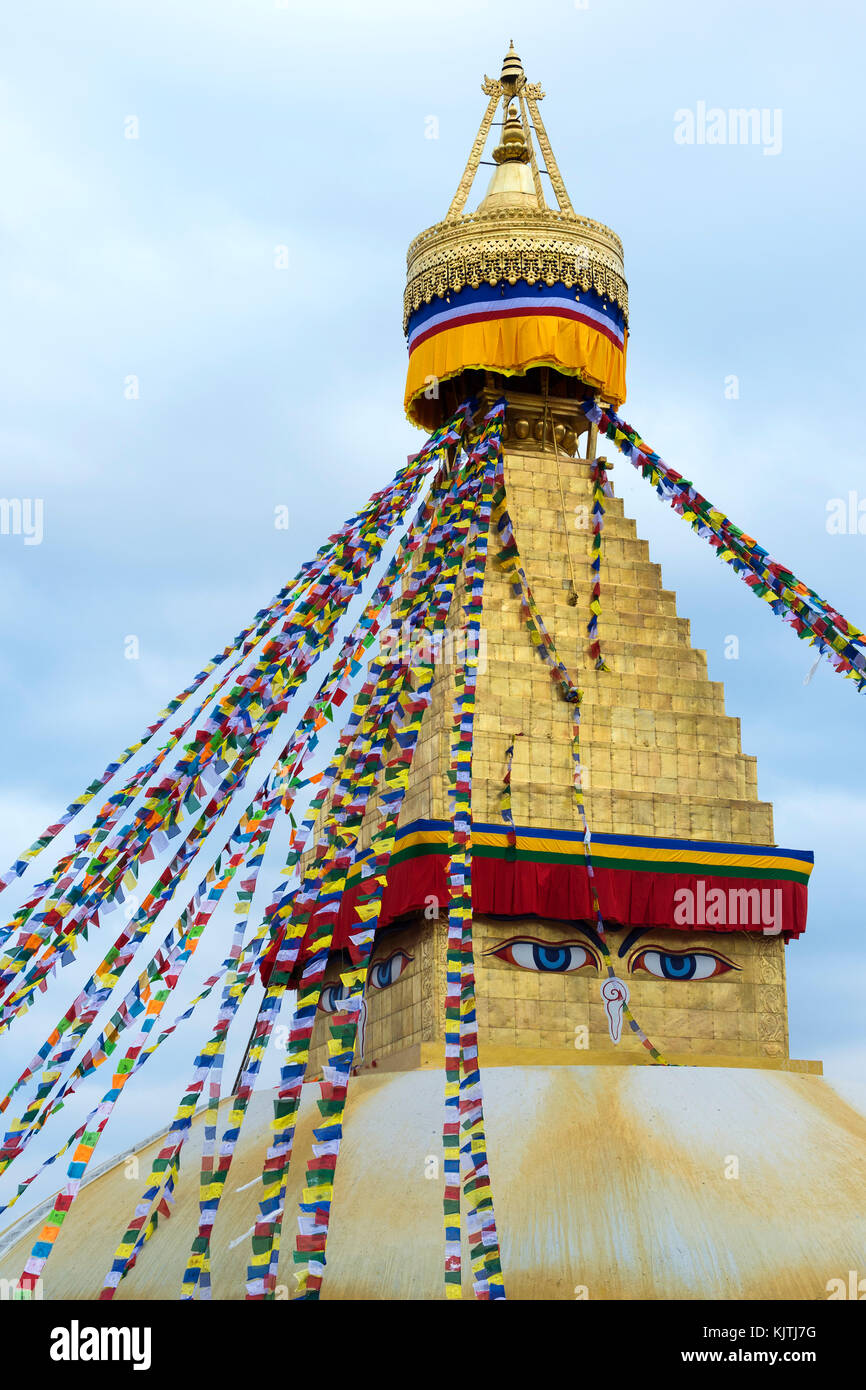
<point>512,184</point>
<point>512,71</point>
<point>514,187</point>
<point>513,144</point>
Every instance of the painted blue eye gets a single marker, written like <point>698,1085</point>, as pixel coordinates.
<point>551,957</point>
<point>387,972</point>
<point>545,957</point>
<point>331,998</point>
<point>678,967</point>
<point>380,975</point>
<point>694,965</point>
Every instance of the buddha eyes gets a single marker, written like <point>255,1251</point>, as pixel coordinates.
<point>382,974</point>
<point>564,958</point>
<point>692,965</point>
<point>545,956</point>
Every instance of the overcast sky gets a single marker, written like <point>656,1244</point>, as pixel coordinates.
<point>263,125</point>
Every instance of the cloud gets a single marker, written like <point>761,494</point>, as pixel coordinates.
<point>24,814</point>
<point>831,816</point>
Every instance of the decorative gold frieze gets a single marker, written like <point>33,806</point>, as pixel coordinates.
<point>429,992</point>
<point>538,247</point>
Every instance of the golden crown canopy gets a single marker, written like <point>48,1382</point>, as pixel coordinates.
<point>515,238</point>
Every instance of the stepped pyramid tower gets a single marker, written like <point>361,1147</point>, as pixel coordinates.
<point>655,1141</point>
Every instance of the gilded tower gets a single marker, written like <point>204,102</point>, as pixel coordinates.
<point>527,302</point>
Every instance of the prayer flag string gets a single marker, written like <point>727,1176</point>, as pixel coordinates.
<point>461,1043</point>
<point>813,619</point>
<point>599,492</point>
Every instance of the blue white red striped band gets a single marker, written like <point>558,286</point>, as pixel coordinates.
<point>520,300</point>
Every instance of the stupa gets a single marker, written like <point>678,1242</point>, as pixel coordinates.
<point>648,1134</point>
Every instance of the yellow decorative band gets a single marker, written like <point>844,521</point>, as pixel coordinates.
<point>512,346</point>
<point>615,851</point>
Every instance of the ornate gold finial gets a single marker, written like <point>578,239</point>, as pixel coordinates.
<point>513,145</point>
<point>513,87</point>
<point>512,72</point>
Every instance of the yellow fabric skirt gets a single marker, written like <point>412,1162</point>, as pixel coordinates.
<point>512,345</point>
